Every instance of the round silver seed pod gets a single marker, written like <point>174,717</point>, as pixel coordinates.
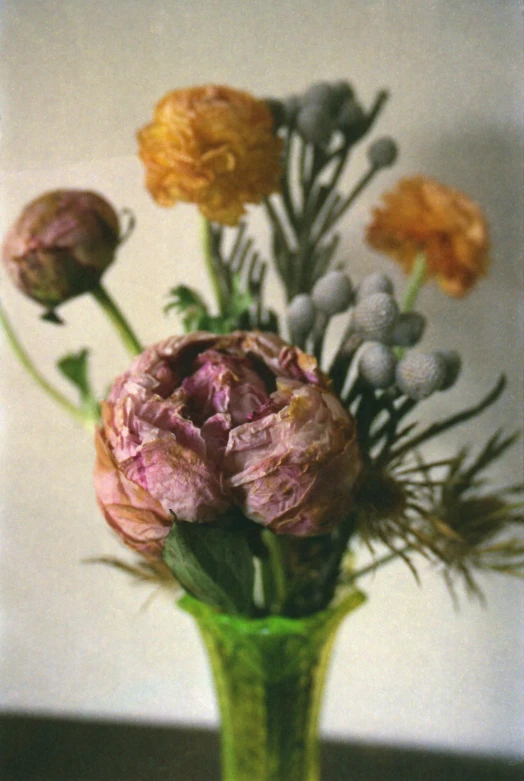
<point>409,329</point>
<point>320,94</point>
<point>301,315</point>
<point>377,365</point>
<point>452,364</point>
<point>314,123</point>
<point>418,375</point>
<point>382,153</point>
<point>332,293</point>
<point>375,316</point>
<point>377,282</point>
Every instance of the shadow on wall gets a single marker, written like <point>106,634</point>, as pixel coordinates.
<point>40,749</point>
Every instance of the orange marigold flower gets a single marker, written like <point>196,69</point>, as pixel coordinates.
<point>213,146</point>
<point>424,216</point>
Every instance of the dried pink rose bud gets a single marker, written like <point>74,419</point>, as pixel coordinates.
<point>60,245</point>
<point>204,423</point>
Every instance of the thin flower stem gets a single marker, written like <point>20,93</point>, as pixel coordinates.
<point>40,380</point>
<point>211,268</point>
<point>276,559</point>
<point>415,282</point>
<point>337,209</point>
<point>118,320</point>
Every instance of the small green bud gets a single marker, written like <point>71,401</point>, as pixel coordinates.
<point>350,115</point>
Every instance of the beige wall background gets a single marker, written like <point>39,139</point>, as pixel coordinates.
<point>77,80</point>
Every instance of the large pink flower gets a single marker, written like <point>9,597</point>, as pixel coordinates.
<point>203,423</point>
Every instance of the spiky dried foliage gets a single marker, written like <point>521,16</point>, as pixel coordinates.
<point>445,511</point>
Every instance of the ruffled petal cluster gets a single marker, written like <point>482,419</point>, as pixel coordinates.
<point>422,215</point>
<point>201,424</point>
<point>213,146</point>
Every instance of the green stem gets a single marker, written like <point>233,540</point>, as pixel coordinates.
<point>116,317</point>
<point>217,287</point>
<point>415,282</point>
<point>40,380</point>
<point>278,570</point>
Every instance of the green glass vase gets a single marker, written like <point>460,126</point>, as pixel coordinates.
<point>269,677</point>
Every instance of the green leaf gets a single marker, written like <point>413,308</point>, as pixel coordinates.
<point>213,564</point>
<point>191,307</point>
<point>75,367</point>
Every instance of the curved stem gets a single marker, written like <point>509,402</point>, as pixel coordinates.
<point>415,282</point>
<point>116,317</point>
<point>218,289</point>
<point>40,380</point>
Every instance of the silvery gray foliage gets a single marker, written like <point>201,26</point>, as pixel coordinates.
<point>377,364</point>
<point>419,374</point>
<point>375,316</point>
<point>377,282</point>
<point>332,293</point>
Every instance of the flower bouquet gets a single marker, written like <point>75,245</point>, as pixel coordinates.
<point>248,460</point>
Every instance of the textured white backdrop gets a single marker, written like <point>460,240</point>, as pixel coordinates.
<point>77,79</point>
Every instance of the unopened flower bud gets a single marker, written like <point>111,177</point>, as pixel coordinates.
<point>301,316</point>
<point>377,365</point>
<point>452,366</point>
<point>332,293</point>
<point>350,115</point>
<point>375,316</point>
<point>409,329</point>
<point>419,375</point>
<point>340,92</point>
<point>375,283</point>
<point>60,245</point>
<point>314,123</point>
<point>382,153</point>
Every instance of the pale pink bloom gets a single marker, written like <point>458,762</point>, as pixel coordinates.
<point>201,424</point>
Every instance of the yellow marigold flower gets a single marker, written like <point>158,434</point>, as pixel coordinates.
<point>423,215</point>
<point>213,146</point>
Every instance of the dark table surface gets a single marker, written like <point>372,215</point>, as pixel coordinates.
<point>34,748</point>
